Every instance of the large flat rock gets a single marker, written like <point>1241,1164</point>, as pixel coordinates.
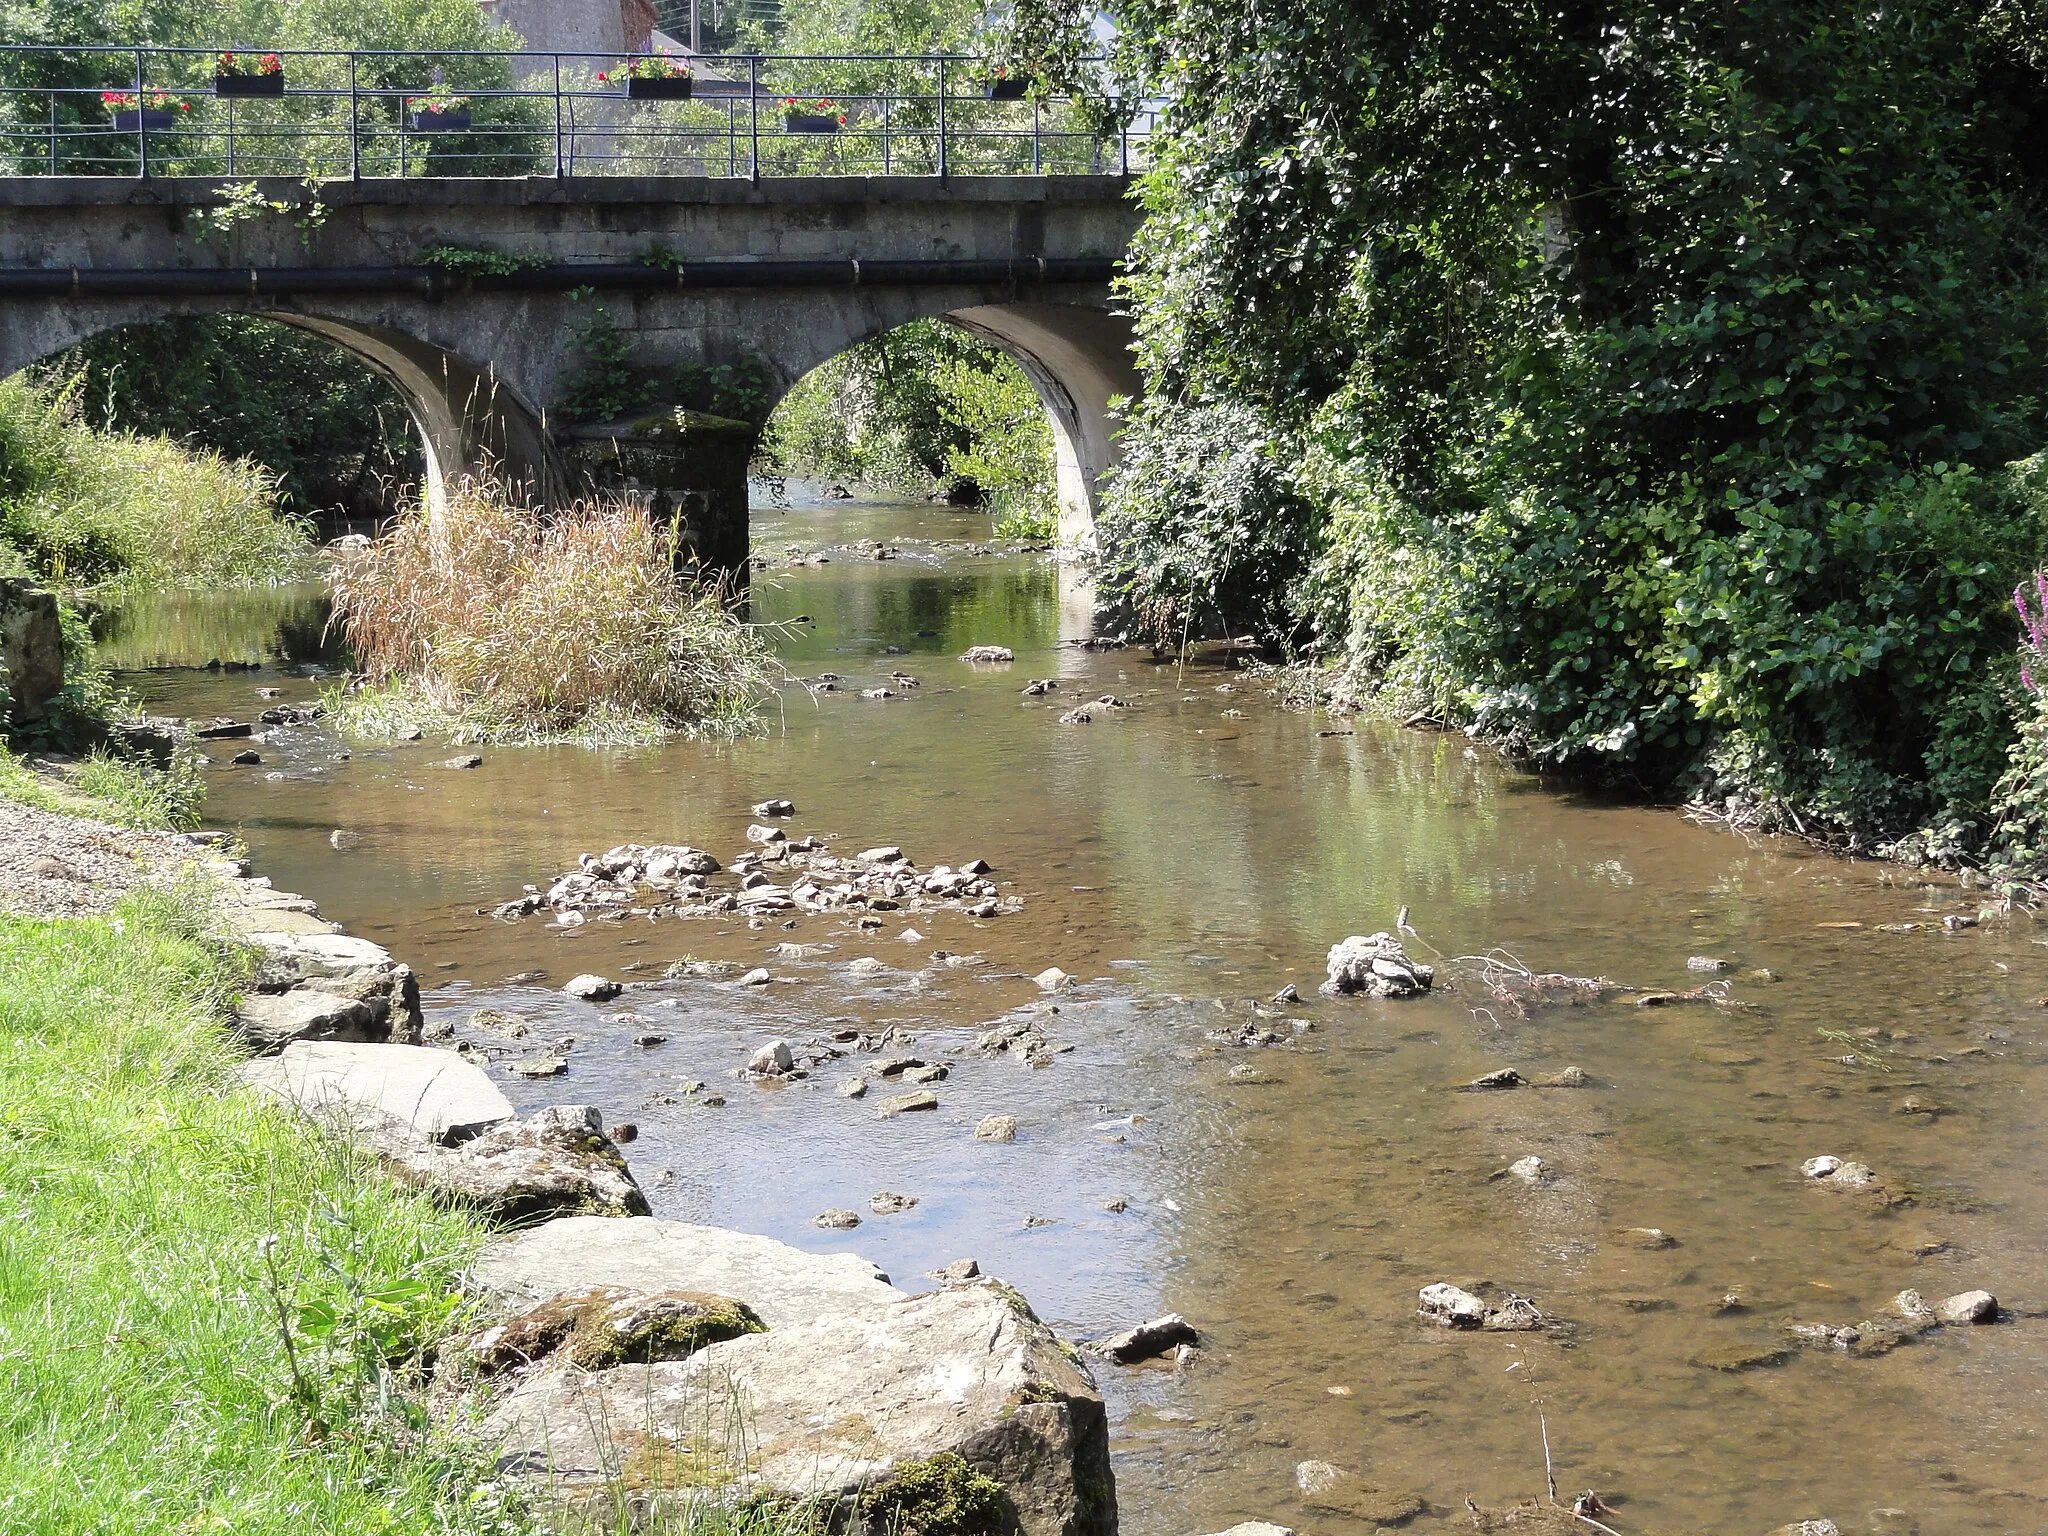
<point>436,1092</point>
<point>785,1285</point>
<point>840,1404</point>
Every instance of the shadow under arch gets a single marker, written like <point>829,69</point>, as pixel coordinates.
<point>468,419</point>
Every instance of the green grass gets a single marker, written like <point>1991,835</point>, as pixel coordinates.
<point>123,790</point>
<point>146,1387</point>
<point>82,508</point>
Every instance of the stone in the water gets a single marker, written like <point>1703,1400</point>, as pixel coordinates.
<point>1708,963</point>
<point>1565,1077</point>
<point>1650,1239</point>
<point>1970,1307</point>
<point>341,839</point>
<point>1506,1077</point>
<point>1822,1167</point>
<point>591,989</point>
<point>467,760</point>
<point>1257,1528</point>
<point>1146,1340</point>
<point>1329,1489</point>
<point>1052,978</point>
<point>851,1087</point>
<point>867,965</point>
<point>996,1128</point>
<point>1450,1307</point>
<point>1741,1357</point>
<point>985,653</point>
<point>248,757</point>
<point>905,1103</point>
<point>959,1269</point>
<point>889,1203</point>
<point>771,1060</point>
<point>1809,1528</point>
<point>650,1040</point>
<point>757,977</point>
<point>837,1219</point>
<point>775,808</point>
<point>538,1066</point>
<point>1375,966</point>
<point>1530,1169</point>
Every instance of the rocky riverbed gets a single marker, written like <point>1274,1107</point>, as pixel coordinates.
<point>1573,1112</point>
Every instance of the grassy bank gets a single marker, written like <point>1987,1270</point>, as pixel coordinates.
<point>156,1223</point>
<point>83,508</point>
<point>500,625</point>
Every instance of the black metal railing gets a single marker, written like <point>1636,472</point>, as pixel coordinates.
<point>157,112</point>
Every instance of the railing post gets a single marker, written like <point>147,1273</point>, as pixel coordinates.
<point>754,117</point>
<point>560,171</point>
<point>141,120</point>
<point>1037,164</point>
<point>1123,142</point>
<point>887,102</point>
<point>942,117</point>
<point>355,124</point>
<point>53,133</point>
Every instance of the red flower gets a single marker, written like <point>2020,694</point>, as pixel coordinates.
<point>603,78</point>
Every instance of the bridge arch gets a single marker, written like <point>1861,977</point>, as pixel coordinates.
<point>464,414</point>
<point>1077,356</point>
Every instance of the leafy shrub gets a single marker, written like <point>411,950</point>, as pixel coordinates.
<point>1009,452</point>
<point>513,624</point>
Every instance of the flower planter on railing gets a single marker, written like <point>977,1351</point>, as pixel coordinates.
<point>248,74</point>
<point>809,122</point>
<point>153,119</point>
<point>249,85</point>
<point>658,88</point>
<point>438,120</point>
<point>1009,89</point>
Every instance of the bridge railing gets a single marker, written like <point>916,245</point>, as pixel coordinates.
<point>160,112</point>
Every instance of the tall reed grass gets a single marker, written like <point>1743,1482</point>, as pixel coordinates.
<point>85,508</point>
<point>507,623</point>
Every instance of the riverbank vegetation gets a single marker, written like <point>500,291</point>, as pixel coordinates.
<point>1667,418</point>
<point>81,508</point>
<point>165,1231</point>
<point>925,410</point>
<point>495,623</point>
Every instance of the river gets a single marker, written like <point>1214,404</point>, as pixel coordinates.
<point>1184,859</point>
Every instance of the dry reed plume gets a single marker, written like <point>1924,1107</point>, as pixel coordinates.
<point>514,623</point>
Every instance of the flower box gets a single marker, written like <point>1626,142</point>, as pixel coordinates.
<point>1009,89</point>
<point>429,120</point>
<point>144,119</point>
<point>809,122</point>
<point>658,88</point>
<point>249,85</point>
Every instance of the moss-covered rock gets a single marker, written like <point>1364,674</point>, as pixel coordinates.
<point>608,1326</point>
<point>938,1496</point>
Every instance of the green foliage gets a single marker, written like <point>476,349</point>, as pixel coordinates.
<point>924,408</point>
<point>1652,415</point>
<point>606,385</point>
<point>154,1209</point>
<point>476,261</point>
<point>1009,452</point>
<point>334,433</point>
<point>82,507</point>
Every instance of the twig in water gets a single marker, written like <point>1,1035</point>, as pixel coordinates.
<point>1549,1476</point>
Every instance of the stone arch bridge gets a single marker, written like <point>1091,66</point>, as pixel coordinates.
<point>780,274</point>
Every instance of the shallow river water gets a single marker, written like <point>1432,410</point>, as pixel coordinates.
<point>1182,859</point>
